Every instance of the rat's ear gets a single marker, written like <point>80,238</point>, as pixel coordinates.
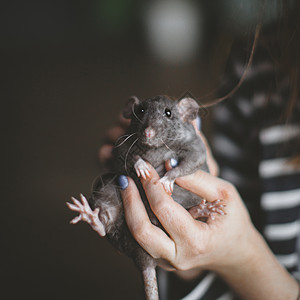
<point>127,111</point>
<point>188,109</point>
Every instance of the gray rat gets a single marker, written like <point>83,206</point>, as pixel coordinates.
<point>160,130</point>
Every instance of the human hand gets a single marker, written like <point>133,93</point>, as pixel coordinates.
<point>188,243</point>
<point>111,137</point>
<point>211,162</point>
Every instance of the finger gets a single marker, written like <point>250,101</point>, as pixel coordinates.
<point>84,201</point>
<point>123,121</point>
<point>196,125</point>
<point>150,237</point>
<point>114,133</point>
<point>105,153</point>
<point>173,217</point>
<point>73,207</point>
<point>96,211</point>
<point>76,219</point>
<point>212,164</point>
<point>207,186</point>
<point>76,202</point>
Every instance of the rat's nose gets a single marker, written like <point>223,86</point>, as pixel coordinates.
<point>149,132</point>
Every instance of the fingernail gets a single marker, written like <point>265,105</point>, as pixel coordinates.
<point>198,122</point>
<point>173,162</point>
<point>123,182</point>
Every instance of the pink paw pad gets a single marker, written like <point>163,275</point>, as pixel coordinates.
<point>207,209</point>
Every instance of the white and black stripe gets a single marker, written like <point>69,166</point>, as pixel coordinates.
<point>253,147</point>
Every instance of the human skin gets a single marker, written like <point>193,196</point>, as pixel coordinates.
<point>228,245</point>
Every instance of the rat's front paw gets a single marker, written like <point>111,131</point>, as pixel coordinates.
<point>207,209</point>
<point>168,184</point>
<point>141,168</point>
<point>86,214</point>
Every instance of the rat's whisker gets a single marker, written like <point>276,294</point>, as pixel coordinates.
<point>170,139</point>
<point>128,137</point>
<point>132,108</point>
<point>128,153</point>
<point>166,145</point>
<point>101,192</point>
<point>125,135</point>
<point>103,184</point>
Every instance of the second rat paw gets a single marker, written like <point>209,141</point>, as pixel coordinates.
<point>168,184</point>
<point>207,209</point>
<point>87,215</point>
<point>142,169</point>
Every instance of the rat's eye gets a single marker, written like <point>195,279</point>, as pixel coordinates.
<point>140,110</point>
<point>168,113</point>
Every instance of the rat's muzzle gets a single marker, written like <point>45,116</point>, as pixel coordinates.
<point>149,132</point>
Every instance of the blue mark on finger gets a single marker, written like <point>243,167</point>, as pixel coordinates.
<point>123,182</point>
<point>173,162</point>
<point>199,123</point>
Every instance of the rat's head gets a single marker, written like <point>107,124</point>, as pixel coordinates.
<point>160,120</point>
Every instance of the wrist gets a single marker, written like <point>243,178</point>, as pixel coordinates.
<point>252,248</point>
<point>256,273</point>
<point>189,274</point>
<point>244,250</point>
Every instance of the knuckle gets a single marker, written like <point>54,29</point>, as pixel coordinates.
<point>141,232</point>
<point>194,248</point>
<point>128,200</point>
<point>162,208</point>
<point>182,265</point>
<point>188,256</point>
<point>226,191</point>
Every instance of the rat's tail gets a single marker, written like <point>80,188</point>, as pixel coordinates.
<point>150,283</point>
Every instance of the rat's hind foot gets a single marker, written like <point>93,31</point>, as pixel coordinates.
<point>142,169</point>
<point>207,209</point>
<point>87,215</point>
<point>168,184</point>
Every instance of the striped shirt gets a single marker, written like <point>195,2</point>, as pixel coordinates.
<point>253,146</point>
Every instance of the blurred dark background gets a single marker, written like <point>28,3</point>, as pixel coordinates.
<point>68,69</point>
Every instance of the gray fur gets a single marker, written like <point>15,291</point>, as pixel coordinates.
<point>175,138</point>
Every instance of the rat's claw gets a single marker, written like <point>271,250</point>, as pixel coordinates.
<point>220,211</point>
<point>86,214</point>
<point>76,202</point>
<point>168,184</point>
<point>147,171</point>
<point>207,209</point>
<point>142,168</point>
<point>84,201</point>
<point>143,174</point>
<point>73,207</point>
<point>137,172</point>
<point>76,219</point>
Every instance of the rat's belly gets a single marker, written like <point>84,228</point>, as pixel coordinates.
<point>157,157</point>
